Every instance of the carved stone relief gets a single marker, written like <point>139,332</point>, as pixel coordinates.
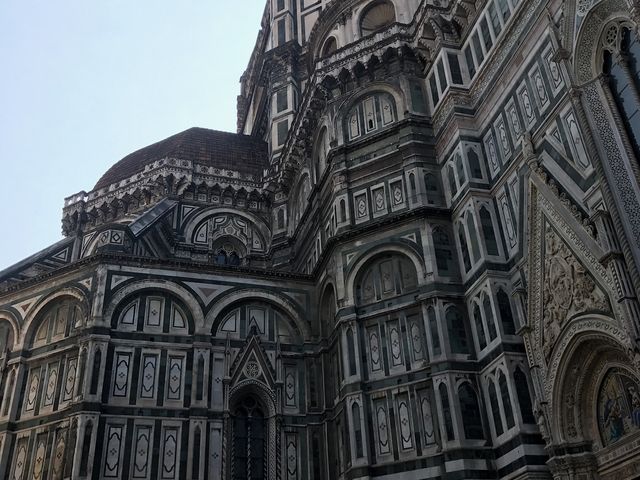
<point>569,290</point>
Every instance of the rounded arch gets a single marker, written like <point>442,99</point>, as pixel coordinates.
<point>586,358</point>
<point>329,46</point>
<point>122,294</point>
<point>591,31</point>
<point>374,16</point>
<point>196,218</point>
<point>253,387</point>
<point>328,308</point>
<point>240,296</point>
<point>9,318</point>
<point>372,88</point>
<point>388,248</point>
<point>578,328</point>
<point>170,301</point>
<point>31,322</point>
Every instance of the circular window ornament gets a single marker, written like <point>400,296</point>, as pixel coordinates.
<point>252,369</point>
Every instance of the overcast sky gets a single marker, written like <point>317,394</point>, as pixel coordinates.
<point>85,82</point>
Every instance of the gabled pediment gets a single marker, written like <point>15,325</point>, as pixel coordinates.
<point>252,364</point>
<point>567,281</point>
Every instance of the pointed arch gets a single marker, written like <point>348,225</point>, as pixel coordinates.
<point>470,409</point>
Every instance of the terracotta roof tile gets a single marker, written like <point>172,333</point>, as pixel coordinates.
<point>212,148</point>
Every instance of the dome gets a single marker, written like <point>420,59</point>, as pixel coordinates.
<point>212,148</point>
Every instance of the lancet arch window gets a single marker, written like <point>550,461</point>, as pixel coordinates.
<point>621,65</point>
<point>386,276</point>
<point>456,330</point>
<point>249,440</point>
<point>446,412</point>
<point>506,399</point>
<point>371,114</point>
<point>376,16</point>
<point>495,408</point>
<point>443,250</point>
<point>477,318</point>
<point>328,309</point>
<point>524,396</point>
<point>506,313</point>
<point>329,47</point>
<point>470,408</point>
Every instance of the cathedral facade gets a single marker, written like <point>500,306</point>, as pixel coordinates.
<point>417,258</point>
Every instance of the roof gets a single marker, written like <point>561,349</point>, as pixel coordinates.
<point>224,150</point>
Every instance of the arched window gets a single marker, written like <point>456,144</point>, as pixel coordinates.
<point>328,309</point>
<point>489,233</point>
<point>488,315</point>
<point>446,412</point>
<point>457,331</point>
<point>412,185</point>
<point>621,64</point>
<point>471,418</point>
<point>378,15</point>
<point>495,409</point>
<point>432,187</point>
<point>343,210</point>
<point>474,164</point>
<point>330,46</point>
<point>357,429</point>
<point>433,329</point>
<point>464,249</point>
<point>451,176</point>
<point>477,317</point>
<point>351,352</point>
<point>443,251</point>
<point>506,315</point>
<point>248,440</point>
<point>387,276</point>
<point>506,400</point>
<point>473,236</point>
<point>371,114</point>
<point>524,397</point>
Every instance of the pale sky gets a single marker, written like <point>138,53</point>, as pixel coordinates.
<point>85,82</point>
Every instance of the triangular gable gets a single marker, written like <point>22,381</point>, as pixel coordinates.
<point>252,364</point>
<point>566,280</point>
